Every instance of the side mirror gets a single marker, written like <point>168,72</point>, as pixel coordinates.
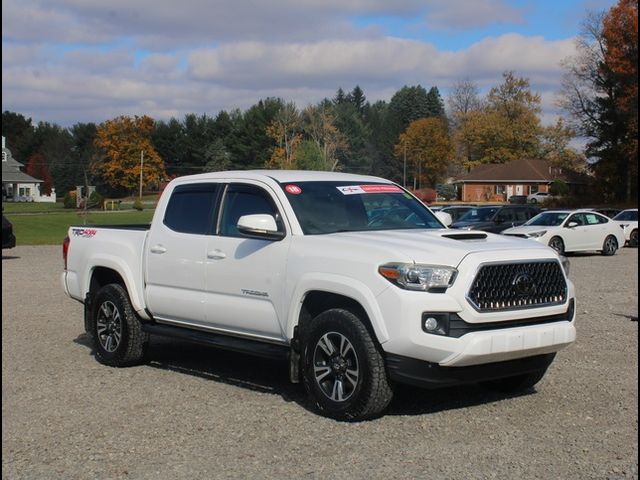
<point>259,226</point>
<point>572,224</point>
<point>445,218</point>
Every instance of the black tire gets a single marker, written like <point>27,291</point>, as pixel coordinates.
<point>328,366</point>
<point>115,329</point>
<point>557,244</point>
<point>610,246</point>
<point>519,383</point>
<point>533,200</point>
<point>633,238</point>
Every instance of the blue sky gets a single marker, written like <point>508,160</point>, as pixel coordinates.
<point>87,60</point>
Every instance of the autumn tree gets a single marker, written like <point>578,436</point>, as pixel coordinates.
<point>37,167</point>
<point>556,148</point>
<point>121,142</point>
<point>599,91</point>
<point>319,124</point>
<point>285,130</point>
<point>427,147</point>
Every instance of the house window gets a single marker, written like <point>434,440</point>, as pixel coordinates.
<point>21,192</point>
<point>500,189</point>
<point>533,189</point>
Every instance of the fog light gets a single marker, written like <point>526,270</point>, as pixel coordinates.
<point>430,324</point>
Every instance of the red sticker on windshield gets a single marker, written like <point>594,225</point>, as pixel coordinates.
<point>293,189</point>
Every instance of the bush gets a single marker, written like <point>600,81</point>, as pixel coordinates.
<point>95,200</point>
<point>559,188</point>
<point>70,200</point>
<point>427,195</point>
<point>137,205</point>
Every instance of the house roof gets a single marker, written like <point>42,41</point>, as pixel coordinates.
<point>18,177</point>
<point>522,170</point>
<point>11,169</point>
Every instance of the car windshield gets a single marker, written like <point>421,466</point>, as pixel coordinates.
<point>330,207</point>
<point>628,215</point>
<point>548,219</point>
<point>478,214</point>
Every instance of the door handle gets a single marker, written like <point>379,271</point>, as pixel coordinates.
<point>158,249</point>
<point>216,254</point>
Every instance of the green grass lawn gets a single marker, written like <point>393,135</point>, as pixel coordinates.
<point>31,207</point>
<point>50,229</point>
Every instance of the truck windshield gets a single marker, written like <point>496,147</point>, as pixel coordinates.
<point>330,207</point>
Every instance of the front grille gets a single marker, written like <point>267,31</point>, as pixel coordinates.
<point>512,286</point>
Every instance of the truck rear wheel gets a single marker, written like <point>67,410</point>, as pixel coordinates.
<point>343,369</point>
<point>115,328</point>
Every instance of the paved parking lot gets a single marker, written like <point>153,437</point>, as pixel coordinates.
<point>193,412</point>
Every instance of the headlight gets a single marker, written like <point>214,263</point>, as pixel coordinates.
<point>566,264</point>
<point>413,276</point>
<point>537,234</point>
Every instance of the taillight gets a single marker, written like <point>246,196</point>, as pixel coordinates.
<point>65,250</point>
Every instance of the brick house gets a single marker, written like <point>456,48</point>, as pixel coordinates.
<point>496,182</point>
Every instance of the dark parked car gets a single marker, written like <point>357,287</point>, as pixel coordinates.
<point>518,199</point>
<point>456,211</point>
<point>8,238</point>
<point>496,219</point>
<point>607,211</point>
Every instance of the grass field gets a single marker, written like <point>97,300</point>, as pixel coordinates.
<point>51,228</point>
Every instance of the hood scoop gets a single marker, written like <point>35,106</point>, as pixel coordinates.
<point>466,236</point>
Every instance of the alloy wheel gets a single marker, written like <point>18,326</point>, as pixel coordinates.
<point>335,366</point>
<point>109,326</point>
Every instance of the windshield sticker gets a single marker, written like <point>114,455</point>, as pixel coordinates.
<point>360,189</point>
<point>293,189</point>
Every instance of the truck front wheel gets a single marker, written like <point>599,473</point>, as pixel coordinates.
<point>115,328</point>
<point>343,368</point>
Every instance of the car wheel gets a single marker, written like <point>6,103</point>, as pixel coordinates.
<point>519,383</point>
<point>609,246</point>
<point>533,200</point>
<point>557,244</point>
<point>343,368</point>
<point>633,239</point>
<point>115,329</point>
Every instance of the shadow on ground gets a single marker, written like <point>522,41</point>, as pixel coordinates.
<point>271,376</point>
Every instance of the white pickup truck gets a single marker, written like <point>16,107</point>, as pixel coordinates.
<point>350,277</point>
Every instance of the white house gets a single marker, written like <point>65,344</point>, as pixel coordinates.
<point>17,186</point>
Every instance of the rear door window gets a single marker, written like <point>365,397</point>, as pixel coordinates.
<point>191,209</point>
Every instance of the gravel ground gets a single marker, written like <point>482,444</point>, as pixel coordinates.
<point>198,413</point>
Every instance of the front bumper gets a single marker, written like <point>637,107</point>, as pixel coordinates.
<point>431,375</point>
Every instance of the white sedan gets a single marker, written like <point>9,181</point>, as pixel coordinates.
<point>628,221</point>
<point>572,231</point>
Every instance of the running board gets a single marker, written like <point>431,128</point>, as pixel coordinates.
<point>226,342</point>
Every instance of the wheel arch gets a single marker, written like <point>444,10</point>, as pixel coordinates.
<point>108,270</point>
<point>311,300</point>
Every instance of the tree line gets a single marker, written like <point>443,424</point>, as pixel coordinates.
<point>411,138</point>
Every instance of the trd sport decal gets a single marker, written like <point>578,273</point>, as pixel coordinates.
<point>84,232</point>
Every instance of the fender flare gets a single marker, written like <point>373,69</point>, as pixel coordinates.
<point>339,285</point>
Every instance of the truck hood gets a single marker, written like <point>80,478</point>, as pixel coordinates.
<point>444,246</point>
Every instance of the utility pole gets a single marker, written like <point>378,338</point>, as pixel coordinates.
<point>141,167</point>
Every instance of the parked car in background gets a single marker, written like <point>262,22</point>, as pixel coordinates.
<point>496,219</point>
<point>456,211</point>
<point>539,197</point>
<point>8,238</point>
<point>607,211</point>
<point>628,221</point>
<point>518,199</point>
<point>572,231</point>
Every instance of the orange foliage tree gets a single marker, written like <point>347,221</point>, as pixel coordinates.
<point>120,142</point>
<point>428,148</point>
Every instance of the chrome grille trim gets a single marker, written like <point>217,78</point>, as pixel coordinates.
<point>526,284</point>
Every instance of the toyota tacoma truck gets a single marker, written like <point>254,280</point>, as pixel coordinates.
<point>350,278</point>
